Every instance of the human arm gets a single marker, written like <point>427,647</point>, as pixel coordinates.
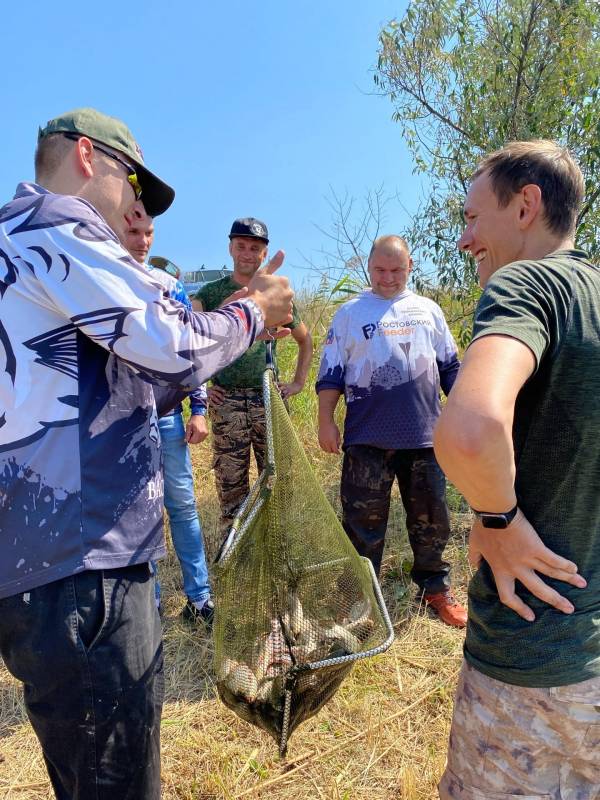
<point>473,436</point>
<point>216,395</point>
<point>90,280</point>
<point>196,429</point>
<point>474,446</point>
<point>446,352</point>
<point>329,387</point>
<point>268,334</point>
<point>329,433</point>
<point>448,372</point>
<point>304,341</point>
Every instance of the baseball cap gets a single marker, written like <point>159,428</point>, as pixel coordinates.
<point>157,196</point>
<point>251,227</point>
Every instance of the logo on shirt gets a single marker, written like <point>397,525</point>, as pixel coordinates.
<point>369,330</point>
<point>329,339</point>
<point>155,487</point>
<point>393,327</point>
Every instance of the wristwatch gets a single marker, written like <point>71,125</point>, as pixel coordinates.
<point>491,519</point>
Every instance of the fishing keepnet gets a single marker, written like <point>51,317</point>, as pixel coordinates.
<point>296,605</point>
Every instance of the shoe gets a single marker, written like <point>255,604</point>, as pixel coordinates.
<point>205,613</point>
<point>447,607</point>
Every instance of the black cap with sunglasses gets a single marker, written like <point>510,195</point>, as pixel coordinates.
<point>102,129</point>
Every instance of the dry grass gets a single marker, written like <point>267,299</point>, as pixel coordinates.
<point>382,736</point>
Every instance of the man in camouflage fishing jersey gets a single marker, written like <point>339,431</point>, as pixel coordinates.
<point>388,351</point>
<point>236,408</point>
<point>84,331</point>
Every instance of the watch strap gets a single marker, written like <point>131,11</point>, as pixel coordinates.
<point>495,519</point>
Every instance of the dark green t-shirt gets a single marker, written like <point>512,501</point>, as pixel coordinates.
<point>247,371</point>
<point>552,306</point>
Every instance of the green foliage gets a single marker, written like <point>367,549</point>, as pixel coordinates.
<point>466,77</point>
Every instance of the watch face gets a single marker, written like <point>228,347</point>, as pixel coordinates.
<point>494,521</point>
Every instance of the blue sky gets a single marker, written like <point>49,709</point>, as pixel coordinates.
<point>246,109</point>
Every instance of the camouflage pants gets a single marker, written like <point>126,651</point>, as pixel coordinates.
<point>368,474</point>
<point>513,741</point>
<point>237,424</point>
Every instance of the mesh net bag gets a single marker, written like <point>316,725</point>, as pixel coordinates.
<point>296,605</point>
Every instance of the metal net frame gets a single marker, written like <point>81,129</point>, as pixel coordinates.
<point>296,606</point>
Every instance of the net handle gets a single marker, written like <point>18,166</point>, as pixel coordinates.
<point>262,487</point>
<point>269,355</point>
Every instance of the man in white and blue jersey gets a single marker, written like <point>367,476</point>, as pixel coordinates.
<point>388,351</point>
<point>84,332</point>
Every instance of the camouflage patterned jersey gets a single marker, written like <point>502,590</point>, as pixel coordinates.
<point>247,371</point>
<point>552,306</point>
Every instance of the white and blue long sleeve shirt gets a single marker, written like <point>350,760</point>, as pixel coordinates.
<point>389,357</point>
<point>199,397</point>
<point>80,322</point>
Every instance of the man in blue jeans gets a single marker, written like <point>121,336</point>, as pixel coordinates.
<point>180,502</point>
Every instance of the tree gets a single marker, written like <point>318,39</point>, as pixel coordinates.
<point>466,77</point>
<point>341,265</point>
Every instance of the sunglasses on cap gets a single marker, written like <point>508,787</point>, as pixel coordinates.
<point>131,173</point>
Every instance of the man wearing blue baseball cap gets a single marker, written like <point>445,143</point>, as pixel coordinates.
<point>81,490</point>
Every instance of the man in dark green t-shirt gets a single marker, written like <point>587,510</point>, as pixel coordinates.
<point>235,398</point>
<point>520,438</point>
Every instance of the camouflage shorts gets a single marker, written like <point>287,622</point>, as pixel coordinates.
<point>513,741</point>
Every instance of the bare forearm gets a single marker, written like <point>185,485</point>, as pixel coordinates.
<point>328,400</point>
<point>476,453</point>
<point>473,437</point>
<point>304,359</point>
<point>330,438</point>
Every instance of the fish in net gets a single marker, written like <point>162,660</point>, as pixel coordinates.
<point>296,606</point>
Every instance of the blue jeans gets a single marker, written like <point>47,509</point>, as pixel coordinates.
<point>180,503</point>
<point>88,650</point>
